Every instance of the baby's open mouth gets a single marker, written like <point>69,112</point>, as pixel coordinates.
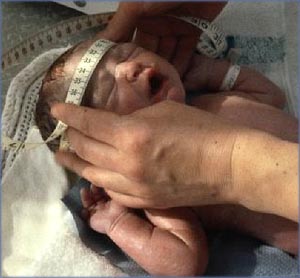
<point>156,82</point>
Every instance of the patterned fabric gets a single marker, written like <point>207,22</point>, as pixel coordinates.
<point>22,95</point>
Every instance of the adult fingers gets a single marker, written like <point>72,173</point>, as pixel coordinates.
<point>123,23</point>
<point>98,192</point>
<point>129,200</point>
<point>125,20</point>
<point>90,150</point>
<point>185,48</point>
<point>164,26</point>
<point>86,197</point>
<point>146,40</point>
<point>100,177</point>
<point>97,124</point>
<point>206,10</point>
<point>167,46</point>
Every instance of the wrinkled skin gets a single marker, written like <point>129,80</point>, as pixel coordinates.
<point>130,78</point>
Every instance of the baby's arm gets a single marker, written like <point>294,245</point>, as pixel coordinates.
<point>206,74</point>
<point>170,242</point>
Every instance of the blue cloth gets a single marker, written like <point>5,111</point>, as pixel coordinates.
<point>237,255</point>
<point>230,254</point>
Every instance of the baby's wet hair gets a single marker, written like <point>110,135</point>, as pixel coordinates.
<point>45,122</point>
<point>53,90</point>
<point>58,78</point>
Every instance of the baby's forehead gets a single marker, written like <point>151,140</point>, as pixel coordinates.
<point>103,79</point>
<point>117,54</point>
<point>121,52</point>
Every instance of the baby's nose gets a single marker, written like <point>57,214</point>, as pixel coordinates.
<point>131,70</point>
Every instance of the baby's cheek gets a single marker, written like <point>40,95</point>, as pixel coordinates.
<point>176,94</point>
<point>128,101</point>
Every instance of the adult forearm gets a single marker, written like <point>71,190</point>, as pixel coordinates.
<point>265,174</point>
<point>192,159</point>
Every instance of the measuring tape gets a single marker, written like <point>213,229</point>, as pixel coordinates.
<point>211,43</point>
<point>75,93</point>
<point>51,35</point>
<point>211,47</point>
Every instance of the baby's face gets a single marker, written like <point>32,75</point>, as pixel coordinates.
<point>130,78</point>
<point>126,79</point>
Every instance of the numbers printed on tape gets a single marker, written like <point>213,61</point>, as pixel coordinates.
<point>51,35</point>
<point>79,24</point>
<point>75,93</point>
<point>214,44</point>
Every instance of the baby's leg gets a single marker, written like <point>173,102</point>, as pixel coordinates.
<point>272,229</point>
<point>169,242</point>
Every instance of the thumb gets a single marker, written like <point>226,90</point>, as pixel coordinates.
<point>123,24</point>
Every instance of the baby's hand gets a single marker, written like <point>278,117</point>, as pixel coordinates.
<point>100,211</point>
<point>169,242</point>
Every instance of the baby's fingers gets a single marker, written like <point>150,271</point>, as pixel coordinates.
<point>98,193</point>
<point>86,197</point>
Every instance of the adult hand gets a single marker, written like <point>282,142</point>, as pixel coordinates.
<point>151,158</point>
<point>169,37</point>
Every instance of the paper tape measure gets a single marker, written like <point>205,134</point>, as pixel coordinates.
<point>75,93</point>
<point>211,43</point>
<point>51,35</point>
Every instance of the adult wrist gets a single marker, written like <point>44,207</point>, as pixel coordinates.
<point>217,146</point>
<point>247,172</point>
<point>264,173</point>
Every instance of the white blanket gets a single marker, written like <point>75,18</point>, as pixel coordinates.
<point>39,236</point>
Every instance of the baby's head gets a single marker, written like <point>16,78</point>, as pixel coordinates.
<point>126,79</point>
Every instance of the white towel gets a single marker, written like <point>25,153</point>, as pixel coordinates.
<point>39,235</point>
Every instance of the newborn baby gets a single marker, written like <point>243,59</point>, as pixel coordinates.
<point>163,242</point>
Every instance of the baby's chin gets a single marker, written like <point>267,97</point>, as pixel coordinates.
<point>176,94</point>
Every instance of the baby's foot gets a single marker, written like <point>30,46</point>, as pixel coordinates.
<point>100,211</point>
